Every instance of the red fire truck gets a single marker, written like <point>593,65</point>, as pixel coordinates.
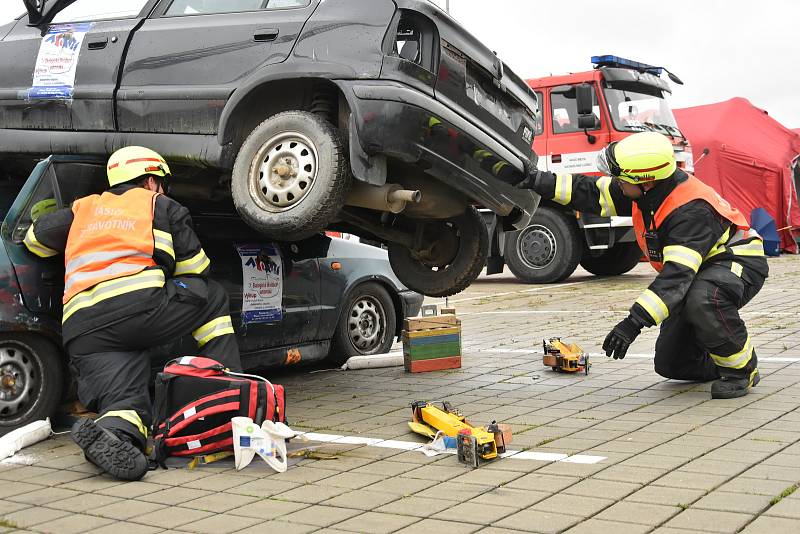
<point>580,115</point>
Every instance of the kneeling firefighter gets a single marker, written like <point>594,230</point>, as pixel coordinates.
<point>136,278</point>
<point>710,262</point>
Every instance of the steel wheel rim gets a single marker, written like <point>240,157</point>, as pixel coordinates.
<point>20,376</point>
<point>284,171</point>
<point>366,324</point>
<point>537,246</point>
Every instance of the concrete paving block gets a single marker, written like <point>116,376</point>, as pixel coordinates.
<point>124,510</point>
<point>263,487</point>
<point>455,492</point>
<point>351,480</point>
<point>549,483</point>
<point>709,520</point>
<point>509,497</point>
<point>734,502</point>
<point>632,474</point>
<point>73,524</point>
<point>219,502</point>
<point>132,490</point>
<point>175,477</point>
<point>538,521</point>
<point>57,477</point>
<point>600,526</point>
<point>43,496</point>
<point>376,523</point>
<point>440,527</point>
<point>171,517</point>
<point>268,509</point>
<point>322,516</point>
<point>361,500</point>
<point>773,472</point>
<point>174,496</point>
<point>666,496</point>
<point>84,502</point>
<point>473,512</point>
<point>771,524</point>
<point>401,485</point>
<point>789,508</point>
<point>310,494</point>
<point>581,506</point>
<point>437,473</point>
<point>24,473</point>
<point>415,506</point>
<point>30,517</point>
<point>687,479</point>
<point>386,469</point>
<point>220,524</point>
<point>591,487</point>
<point>121,527</point>
<point>640,513</point>
<point>755,486</point>
<point>486,477</point>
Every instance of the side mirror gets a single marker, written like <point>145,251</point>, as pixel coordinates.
<point>584,96</point>
<point>588,122</point>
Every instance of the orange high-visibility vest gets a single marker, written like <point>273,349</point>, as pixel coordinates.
<point>691,189</point>
<point>110,237</point>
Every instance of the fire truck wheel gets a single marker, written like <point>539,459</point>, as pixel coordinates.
<point>547,251</point>
<point>31,380</point>
<point>291,176</point>
<point>452,254</point>
<point>612,262</point>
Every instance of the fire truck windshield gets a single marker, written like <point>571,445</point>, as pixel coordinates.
<point>633,111</point>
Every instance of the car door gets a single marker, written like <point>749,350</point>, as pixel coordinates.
<point>108,26</point>
<point>55,183</point>
<point>231,244</point>
<point>190,55</point>
<point>569,148</point>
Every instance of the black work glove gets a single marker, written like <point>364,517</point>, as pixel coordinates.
<point>620,338</point>
<point>530,173</point>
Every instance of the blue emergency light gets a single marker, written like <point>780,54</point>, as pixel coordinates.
<point>621,62</point>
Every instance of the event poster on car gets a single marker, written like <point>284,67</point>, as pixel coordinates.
<point>262,283</point>
<point>54,74</point>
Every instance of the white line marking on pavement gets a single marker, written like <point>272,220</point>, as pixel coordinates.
<point>413,445</point>
<point>645,356</point>
<point>507,293</point>
<point>597,312</point>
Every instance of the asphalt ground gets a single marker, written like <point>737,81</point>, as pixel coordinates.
<point>621,450</point>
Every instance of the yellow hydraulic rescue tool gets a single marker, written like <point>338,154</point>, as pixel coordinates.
<point>427,419</point>
<point>565,358</point>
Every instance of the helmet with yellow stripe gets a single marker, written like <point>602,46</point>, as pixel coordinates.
<point>639,158</point>
<point>134,162</point>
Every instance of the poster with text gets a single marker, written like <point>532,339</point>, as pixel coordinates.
<point>57,62</point>
<point>262,283</point>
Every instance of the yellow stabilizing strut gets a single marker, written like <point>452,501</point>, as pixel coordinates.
<point>450,422</point>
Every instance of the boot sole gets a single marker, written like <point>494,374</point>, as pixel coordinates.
<point>739,392</point>
<point>116,457</point>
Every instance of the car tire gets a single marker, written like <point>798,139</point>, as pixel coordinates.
<point>367,324</point>
<point>612,262</point>
<point>547,251</point>
<point>291,176</point>
<point>31,380</point>
<point>445,277</point>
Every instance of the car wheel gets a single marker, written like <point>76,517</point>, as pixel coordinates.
<point>291,176</point>
<point>453,253</point>
<point>31,380</point>
<point>612,262</point>
<point>367,324</point>
<point>546,251</point>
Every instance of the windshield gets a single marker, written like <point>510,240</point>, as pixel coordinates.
<point>633,111</point>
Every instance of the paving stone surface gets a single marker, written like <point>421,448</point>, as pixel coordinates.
<point>671,461</point>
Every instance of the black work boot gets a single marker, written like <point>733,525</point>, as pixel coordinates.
<point>731,387</point>
<point>117,457</point>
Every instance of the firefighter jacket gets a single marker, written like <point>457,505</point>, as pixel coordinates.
<point>120,248</point>
<point>692,232</point>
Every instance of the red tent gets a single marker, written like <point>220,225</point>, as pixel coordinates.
<point>749,161</point>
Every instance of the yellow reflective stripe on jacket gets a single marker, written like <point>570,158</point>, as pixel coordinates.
<point>737,360</point>
<point>653,304</point>
<point>130,416</point>
<point>719,246</point>
<point>218,327</point>
<point>607,207</point>
<point>163,242</point>
<point>498,167</point>
<point>433,121</point>
<point>736,268</point>
<point>481,155</point>
<point>563,194</point>
<point>684,256</point>
<point>753,248</point>
<point>113,288</point>
<point>115,270</point>
<point>32,244</point>
<point>195,265</point>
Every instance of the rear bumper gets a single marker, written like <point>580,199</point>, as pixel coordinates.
<point>394,120</point>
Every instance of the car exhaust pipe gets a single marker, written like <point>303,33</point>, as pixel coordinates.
<point>390,197</point>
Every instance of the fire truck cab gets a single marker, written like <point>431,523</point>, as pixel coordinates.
<point>580,115</point>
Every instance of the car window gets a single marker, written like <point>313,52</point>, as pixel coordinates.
<point>77,180</point>
<point>564,108</point>
<point>42,201</point>
<point>416,40</point>
<point>539,123</point>
<point>85,10</point>
<point>205,7</point>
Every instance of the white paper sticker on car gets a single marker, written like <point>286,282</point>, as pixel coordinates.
<point>262,283</point>
<point>57,62</point>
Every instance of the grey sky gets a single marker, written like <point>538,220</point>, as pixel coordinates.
<point>720,48</point>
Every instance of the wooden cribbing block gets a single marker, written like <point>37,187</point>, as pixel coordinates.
<point>432,343</point>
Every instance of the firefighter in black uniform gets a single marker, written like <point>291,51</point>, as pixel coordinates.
<point>710,262</point>
<point>135,278</point>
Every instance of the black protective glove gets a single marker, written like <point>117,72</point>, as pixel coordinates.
<point>531,172</point>
<point>621,337</point>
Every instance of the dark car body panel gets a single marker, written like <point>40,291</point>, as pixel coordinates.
<point>184,85</point>
<point>313,292</point>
